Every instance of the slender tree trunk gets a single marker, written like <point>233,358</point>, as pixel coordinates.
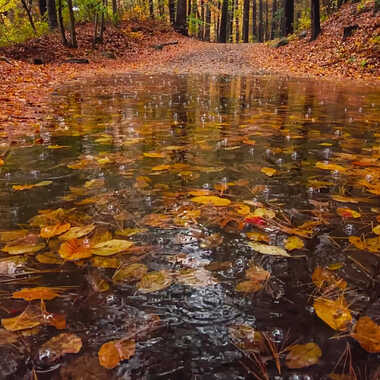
<point>114,9</point>
<point>231,21</point>
<point>237,24</point>
<point>202,18</point>
<point>315,19</point>
<point>274,20</point>
<point>246,21</point>
<point>52,14</point>
<point>223,22</point>
<point>42,7</point>
<point>102,21</point>
<point>151,9</point>
<point>73,34</point>
<point>289,16</point>
<point>208,23</point>
<point>171,5</point>
<point>95,36</point>
<point>218,18</point>
<point>254,26</point>
<point>261,22</point>
<point>61,25</point>
<point>266,21</point>
<point>30,17</point>
<point>180,24</point>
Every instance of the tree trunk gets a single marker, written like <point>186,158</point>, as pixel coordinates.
<point>208,23</point>
<point>52,14</point>
<point>151,9</point>
<point>231,21</point>
<point>223,22</point>
<point>237,26</point>
<point>254,26</point>
<point>202,24</point>
<point>315,19</point>
<point>246,21</point>
<point>261,22</point>
<point>266,34</point>
<point>171,5</point>
<point>274,20</point>
<point>289,16</point>
<point>73,35</point>
<point>180,23</point>
<point>42,7</point>
<point>61,25</point>
<point>161,8</point>
<point>114,9</point>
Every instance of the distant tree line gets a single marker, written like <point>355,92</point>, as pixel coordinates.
<point>209,20</point>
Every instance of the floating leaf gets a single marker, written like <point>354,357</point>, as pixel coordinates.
<point>257,273</point>
<point>268,249</point>
<point>258,236</point>
<point>324,278</point>
<point>154,281</point>
<point>376,229</point>
<point>332,167</point>
<point>211,200</point>
<point>27,187</point>
<point>29,318</point>
<point>59,346</point>
<point>367,333</point>
<point>247,338</point>
<point>130,273</point>
<point>41,292</point>
<point>160,167</point>
<point>340,198</point>
<point>347,213</point>
<point>303,355</point>
<point>154,154</point>
<point>6,236</point>
<point>75,249</point>
<point>268,171</point>
<point>127,232</point>
<point>77,232</point>
<point>49,258</point>
<point>112,353</point>
<point>54,230</point>
<point>333,312</point>
<point>23,248</point>
<point>264,213</point>
<point>293,242</point>
<point>105,262</point>
<point>111,247</point>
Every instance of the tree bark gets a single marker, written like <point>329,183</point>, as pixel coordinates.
<point>254,25</point>
<point>289,16</point>
<point>246,21</point>
<point>208,23</point>
<point>223,22</point>
<point>73,42</point>
<point>171,5</point>
<point>237,25</point>
<point>30,17</point>
<point>61,25</point>
<point>151,9</point>
<point>261,22</point>
<point>42,7</point>
<point>274,20</point>
<point>266,34</point>
<point>52,14</point>
<point>315,19</point>
<point>180,23</point>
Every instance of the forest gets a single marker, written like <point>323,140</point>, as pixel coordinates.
<point>189,189</point>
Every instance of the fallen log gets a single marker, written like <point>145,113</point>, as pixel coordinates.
<point>77,60</point>
<point>5,59</point>
<point>161,46</point>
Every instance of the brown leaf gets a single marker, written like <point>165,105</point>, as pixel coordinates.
<point>303,355</point>
<point>113,352</point>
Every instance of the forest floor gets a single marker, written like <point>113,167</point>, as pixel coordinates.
<point>25,87</point>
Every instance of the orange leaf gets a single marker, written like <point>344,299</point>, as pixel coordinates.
<point>113,352</point>
<point>75,249</point>
<point>41,292</point>
<point>57,229</point>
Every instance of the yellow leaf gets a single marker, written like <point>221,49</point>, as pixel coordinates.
<point>27,187</point>
<point>268,249</point>
<point>154,155</point>
<point>77,232</point>
<point>113,352</point>
<point>41,292</point>
<point>160,167</point>
<point>6,236</point>
<point>258,236</point>
<point>130,273</point>
<point>23,248</point>
<point>376,229</point>
<point>29,318</point>
<point>303,355</point>
<point>340,198</point>
<point>367,333</point>
<point>268,171</point>
<point>264,213</point>
<point>130,231</point>
<point>293,242</point>
<point>332,167</point>
<point>333,312</point>
<point>357,242</point>
<point>324,278</point>
<point>111,247</point>
<point>57,229</point>
<point>211,200</point>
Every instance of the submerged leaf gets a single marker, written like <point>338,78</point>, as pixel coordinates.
<point>154,281</point>
<point>113,352</point>
<point>211,200</point>
<point>303,355</point>
<point>293,242</point>
<point>130,273</point>
<point>268,249</point>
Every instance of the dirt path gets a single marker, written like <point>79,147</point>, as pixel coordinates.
<point>211,58</point>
